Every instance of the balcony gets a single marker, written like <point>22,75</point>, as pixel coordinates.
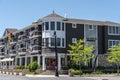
<point>1,54</point>
<point>22,51</point>
<point>35,33</point>
<point>92,39</point>
<point>2,44</point>
<point>12,52</point>
<point>22,37</point>
<point>35,49</point>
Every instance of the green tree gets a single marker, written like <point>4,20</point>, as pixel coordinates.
<point>80,52</point>
<point>114,56</point>
<point>33,66</point>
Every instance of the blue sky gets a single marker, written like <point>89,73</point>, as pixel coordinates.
<point>21,13</point>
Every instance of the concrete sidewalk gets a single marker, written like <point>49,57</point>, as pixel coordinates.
<point>30,75</point>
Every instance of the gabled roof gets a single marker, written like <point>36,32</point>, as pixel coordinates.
<point>53,15</point>
<point>9,30</point>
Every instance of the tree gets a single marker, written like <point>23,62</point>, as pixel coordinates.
<point>114,56</point>
<point>80,52</point>
<point>33,66</point>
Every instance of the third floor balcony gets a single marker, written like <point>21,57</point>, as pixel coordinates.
<point>35,33</point>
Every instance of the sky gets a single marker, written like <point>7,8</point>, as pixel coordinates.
<point>21,13</point>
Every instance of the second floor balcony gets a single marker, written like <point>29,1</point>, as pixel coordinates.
<point>12,52</point>
<point>22,51</point>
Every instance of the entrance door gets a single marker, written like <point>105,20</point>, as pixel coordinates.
<point>50,63</point>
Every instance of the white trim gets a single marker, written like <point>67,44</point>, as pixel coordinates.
<point>111,40</point>
<point>74,40</point>
<point>112,30</point>
<point>74,25</point>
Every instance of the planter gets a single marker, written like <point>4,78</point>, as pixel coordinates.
<point>21,74</point>
<point>16,73</point>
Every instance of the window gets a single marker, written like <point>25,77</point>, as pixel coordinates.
<point>46,25</point>
<point>58,25</point>
<point>46,42</point>
<point>74,40</point>
<point>112,30</point>
<point>74,25</point>
<point>63,42</point>
<point>58,42</point>
<point>90,27</point>
<point>112,43</point>
<point>52,25</point>
<point>63,26</point>
<point>52,41</point>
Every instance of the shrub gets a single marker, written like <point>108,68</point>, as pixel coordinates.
<point>19,67</point>
<point>100,67</point>
<point>33,66</point>
<point>98,72</point>
<point>64,67</point>
<point>76,72</point>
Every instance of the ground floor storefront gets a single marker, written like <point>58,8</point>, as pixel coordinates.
<point>46,61</point>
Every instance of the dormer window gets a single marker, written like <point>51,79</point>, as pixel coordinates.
<point>52,25</point>
<point>46,25</point>
<point>58,25</point>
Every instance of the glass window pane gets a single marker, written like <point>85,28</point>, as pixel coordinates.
<point>58,25</point>
<point>58,42</point>
<point>63,26</point>
<point>46,25</point>
<point>63,42</point>
<point>52,41</point>
<point>52,25</point>
<point>117,30</point>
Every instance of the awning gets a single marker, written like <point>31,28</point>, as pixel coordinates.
<point>6,59</point>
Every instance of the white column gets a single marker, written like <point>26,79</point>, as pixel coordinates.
<point>20,61</point>
<point>38,59</point>
<point>43,63</point>
<point>9,65</point>
<point>31,59</point>
<point>25,61</point>
<point>59,62</point>
<point>12,65</point>
<point>15,61</point>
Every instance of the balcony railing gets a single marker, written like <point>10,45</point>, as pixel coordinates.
<point>1,54</point>
<point>22,50</point>
<point>12,52</point>
<point>35,34</point>
<point>34,49</point>
<point>91,39</point>
<point>2,44</point>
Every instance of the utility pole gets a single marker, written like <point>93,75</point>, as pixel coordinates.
<point>56,57</point>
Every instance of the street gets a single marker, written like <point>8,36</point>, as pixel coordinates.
<point>12,77</point>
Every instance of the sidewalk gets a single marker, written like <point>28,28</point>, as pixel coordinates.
<point>30,75</point>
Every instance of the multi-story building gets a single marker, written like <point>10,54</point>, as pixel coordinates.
<point>37,41</point>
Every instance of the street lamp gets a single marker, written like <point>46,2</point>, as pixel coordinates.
<point>56,57</point>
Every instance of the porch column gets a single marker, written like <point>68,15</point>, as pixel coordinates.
<point>20,61</point>
<point>43,63</point>
<point>25,61</point>
<point>9,65</point>
<point>59,62</point>
<point>15,61</point>
<point>31,59</point>
<point>12,65</point>
<point>38,59</point>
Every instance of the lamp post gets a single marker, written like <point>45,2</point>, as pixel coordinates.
<point>56,57</point>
